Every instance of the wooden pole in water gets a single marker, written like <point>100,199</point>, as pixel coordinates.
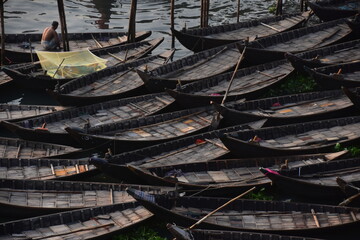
<point>2,32</point>
<point>238,12</point>
<point>172,22</point>
<point>131,30</point>
<point>207,7</point>
<point>202,14</point>
<point>64,33</point>
<point>279,8</point>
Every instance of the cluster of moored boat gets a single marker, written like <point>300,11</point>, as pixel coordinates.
<point>187,138</point>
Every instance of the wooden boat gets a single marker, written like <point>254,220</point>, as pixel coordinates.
<point>334,9</point>
<point>46,169</point>
<point>248,83</point>
<point>299,138</point>
<point>180,233</point>
<point>5,80</point>
<point>108,84</point>
<point>275,217</point>
<point>89,223</point>
<point>209,63</point>
<point>316,181</point>
<point>201,147</point>
<point>334,54</point>
<point>21,47</point>
<point>145,131</point>
<point>34,77</point>
<point>87,116</point>
<point>18,148</point>
<point>337,76</point>
<point>288,109</point>
<point>29,198</point>
<point>351,191</point>
<point>274,47</point>
<point>199,39</point>
<point>16,112</point>
<point>229,177</point>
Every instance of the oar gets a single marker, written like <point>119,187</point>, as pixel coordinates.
<point>216,119</point>
<point>219,208</point>
<point>101,46</point>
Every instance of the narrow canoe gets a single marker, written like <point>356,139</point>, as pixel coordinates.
<point>29,198</point>
<point>334,54</point>
<point>201,147</point>
<point>289,218</point>
<point>317,181</point>
<point>21,47</point>
<point>328,10</point>
<point>192,68</point>
<point>35,78</point>
<point>299,138</point>
<point>228,177</point>
<point>288,109</point>
<point>337,75</point>
<point>19,148</point>
<point>86,117</point>
<point>88,223</point>
<point>46,169</point>
<point>117,82</point>
<point>247,83</point>
<point>16,112</point>
<point>299,40</point>
<point>146,131</point>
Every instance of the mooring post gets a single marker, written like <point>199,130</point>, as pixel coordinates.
<point>301,5</point>
<point>279,8</point>
<point>131,30</point>
<point>238,11</point>
<point>172,22</point>
<point>207,7</point>
<point>64,33</point>
<point>2,32</point>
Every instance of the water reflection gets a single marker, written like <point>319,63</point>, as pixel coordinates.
<point>104,8</point>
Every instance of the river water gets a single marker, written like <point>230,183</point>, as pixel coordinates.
<point>25,16</point>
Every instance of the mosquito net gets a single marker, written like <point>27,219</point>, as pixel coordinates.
<point>70,64</point>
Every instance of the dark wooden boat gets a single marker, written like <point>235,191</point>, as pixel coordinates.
<point>19,148</point>
<point>29,198</point>
<point>248,83</point>
<point>142,132</point>
<point>195,67</point>
<point>46,169</point>
<point>87,117</point>
<point>34,77</point>
<point>317,181</point>
<point>21,47</point>
<point>5,80</point>
<point>299,138</point>
<point>228,177</point>
<point>180,233</point>
<point>117,82</point>
<point>337,76</point>
<point>199,39</point>
<point>273,217</point>
<point>16,112</point>
<point>274,47</point>
<point>334,54</point>
<point>288,109</point>
<point>201,147</point>
<point>351,191</point>
<point>328,10</point>
<point>89,223</point>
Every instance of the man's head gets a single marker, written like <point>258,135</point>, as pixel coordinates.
<point>55,24</point>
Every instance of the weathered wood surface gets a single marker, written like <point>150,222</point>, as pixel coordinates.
<point>252,215</point>
<point>44,169</point>
<point>77,224</point>
<point>13,112</point>
<point>17,148</point>
<point>331,9</point>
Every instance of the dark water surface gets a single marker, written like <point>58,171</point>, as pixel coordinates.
<point>25,16</point>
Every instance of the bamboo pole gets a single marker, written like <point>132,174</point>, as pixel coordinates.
<point>64,33</point>
<point>238,11</point>
<point>131,29</point>
<point>172,22</point>
<point>222,206</point>
<point>2,32</point>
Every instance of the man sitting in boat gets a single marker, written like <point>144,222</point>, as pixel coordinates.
<point>50,39</point>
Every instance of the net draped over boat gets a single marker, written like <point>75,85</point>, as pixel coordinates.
<point>70,64</point>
